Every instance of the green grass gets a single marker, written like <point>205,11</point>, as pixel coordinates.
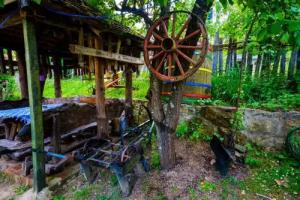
<point>20,189</point>
<point>77,87</point>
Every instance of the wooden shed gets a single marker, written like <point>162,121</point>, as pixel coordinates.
<point>70,30</point>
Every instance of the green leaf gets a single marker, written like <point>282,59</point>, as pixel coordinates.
<point>37,1</point>
<point>262,35</point>
<point>298,39</point>
<point>285,38</point>
<point>276,28</point>
<point>1,3</point>
<point>162,3</point>
<point>294,25</point>
<point>224,3</point>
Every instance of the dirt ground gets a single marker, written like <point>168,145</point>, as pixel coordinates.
<point>194,167</point>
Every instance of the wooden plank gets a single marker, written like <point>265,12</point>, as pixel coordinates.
<point>102,121</point>
<point>76,49</point>
<point>36,115</point>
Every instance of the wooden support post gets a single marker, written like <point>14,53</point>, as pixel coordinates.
<point>80,56</point>
<point>91,59</point>
<point>56,69</point>
<point>220,56</point>
<point>2,64</point>
<point>56,134</point>
<point>102,122</point>
<point>10,62</point>
<point>22,74</point>
<point>37,133</point>
<point>128,95</point>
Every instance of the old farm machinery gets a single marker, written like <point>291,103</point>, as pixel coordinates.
<point>170,56</point>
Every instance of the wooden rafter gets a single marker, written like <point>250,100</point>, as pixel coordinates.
<point>76,49</point>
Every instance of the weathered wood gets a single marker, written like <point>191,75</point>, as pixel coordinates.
<point>56,69</point>
<point>76,49</point>
<point>292,63</point>
<point>56,134</point>
<point>118,50</point>
<point>10,62</point>
<point>91,58</point>
<point>216,52</point>
<point>128,95</point>
<point>283,61</point>
<point>81,43</point>
<point>37,133</point>
<point>22,74</point>
<point>102,121</point>
<point>221,57</point>
<point>2,64</point>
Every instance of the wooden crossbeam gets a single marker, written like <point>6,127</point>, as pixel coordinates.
<point>76,49</point>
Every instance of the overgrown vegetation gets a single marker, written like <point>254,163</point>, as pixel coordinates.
<point>270,92</point>
<point>192,130</point>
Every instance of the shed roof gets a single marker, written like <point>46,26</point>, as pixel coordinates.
<point>80,10</point>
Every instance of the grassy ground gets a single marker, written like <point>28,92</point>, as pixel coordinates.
<point>77,87</point>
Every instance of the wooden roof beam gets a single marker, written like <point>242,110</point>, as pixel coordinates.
<point>76,49</point>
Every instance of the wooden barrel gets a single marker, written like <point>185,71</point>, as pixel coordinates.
<point>197,86</point>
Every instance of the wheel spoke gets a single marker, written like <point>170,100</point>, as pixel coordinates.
<point>157,55</point>
<point>188,47</point>
<point>151,46</point>
<point>178,63</point>
<point>165,28</point>
<point>190,36</point>
<point>170,64</point>
<point>161,62</point>
<point>174,25</point>
<point>183,28</point>
<point>158,37</point>
<point>185,56</point>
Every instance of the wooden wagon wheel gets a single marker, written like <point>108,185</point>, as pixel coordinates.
<point>164,45</point>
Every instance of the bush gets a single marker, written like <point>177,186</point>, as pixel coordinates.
<point>267,91</point>
<point>193,130</point>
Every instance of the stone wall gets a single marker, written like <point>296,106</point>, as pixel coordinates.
<point>268,129</point>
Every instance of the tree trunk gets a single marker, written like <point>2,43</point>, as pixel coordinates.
<point>216,53</point>
<point>292,64</point>
<point>22,74</point>
<point>298,63</point>
<point>229,56</point>
<point>221,57</point>
<point>249,62</point>
<point>247,36</point>
<point>2,63</point>
<point>57,74</point>
<point>265,63</point>
<point>276,62</point>
<point>283,61</point>
<point>258,63</point>
<point>166,121</point>
<point>235,54</point>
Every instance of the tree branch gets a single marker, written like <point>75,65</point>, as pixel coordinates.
<point>136,11</point>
